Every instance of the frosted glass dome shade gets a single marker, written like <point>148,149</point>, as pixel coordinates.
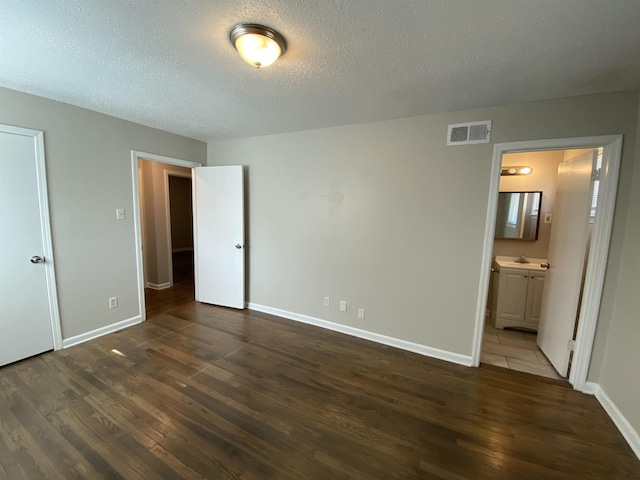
<point>258,45</point>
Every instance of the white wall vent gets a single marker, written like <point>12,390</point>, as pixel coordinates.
<point>469,133</point>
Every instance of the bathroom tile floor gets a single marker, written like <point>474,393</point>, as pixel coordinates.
<point>516,350</point>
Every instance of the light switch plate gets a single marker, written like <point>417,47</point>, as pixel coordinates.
<point>119,213</point>
<point>548,217</point>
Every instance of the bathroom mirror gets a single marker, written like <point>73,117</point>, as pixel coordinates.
<point>518,216</point>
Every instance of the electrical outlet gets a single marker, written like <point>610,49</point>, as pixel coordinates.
<point>361,314</point>
<point>327,302</point>
<point>113,302</point>
<point>119,213</point>
<point>343,305</point>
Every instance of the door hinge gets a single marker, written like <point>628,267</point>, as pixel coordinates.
<point>595,175</point>
<point>571,345</point>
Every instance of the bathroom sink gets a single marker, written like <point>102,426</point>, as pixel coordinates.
<point>510,262</point>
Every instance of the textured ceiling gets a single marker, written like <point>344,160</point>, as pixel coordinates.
<point>168,63</point>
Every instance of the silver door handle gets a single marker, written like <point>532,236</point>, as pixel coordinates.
<point>37,259</point>
<point>238,245</point>
<point>545,265</point>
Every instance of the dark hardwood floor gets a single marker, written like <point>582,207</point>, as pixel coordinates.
<point>183,290</point>
<point>206,392</point>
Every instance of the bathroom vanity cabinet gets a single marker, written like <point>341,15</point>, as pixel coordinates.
<point>520,296</point>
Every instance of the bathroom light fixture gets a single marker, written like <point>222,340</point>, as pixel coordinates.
<point>508,171</point>
<point>258,45</point>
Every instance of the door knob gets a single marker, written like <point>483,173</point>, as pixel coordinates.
<point>37,259</point>
<point>238,245</point>
<point>545,265</point>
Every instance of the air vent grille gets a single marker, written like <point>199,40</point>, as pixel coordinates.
<point>459,134</point>
<point>469,133</point>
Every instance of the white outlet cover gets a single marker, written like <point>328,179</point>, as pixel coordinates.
<point>327,302</point>
<point>361,313</point>
<point>343,305</point>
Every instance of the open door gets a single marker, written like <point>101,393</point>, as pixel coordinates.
<point>218,224</point>
<point>567,249</point>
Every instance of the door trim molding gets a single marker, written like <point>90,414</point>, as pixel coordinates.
<point>45,228</point>
<point>135,155</point>
<point>598,252</point>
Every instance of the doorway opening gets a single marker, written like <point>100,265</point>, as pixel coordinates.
<point>167,239</point>
<point>164,231</point>
<point>181,227</point>
<point>524,224</point>
<point>218,228</point>
<point>539,287</point>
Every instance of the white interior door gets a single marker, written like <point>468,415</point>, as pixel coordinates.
<point>218,224</point>
<point>567,249</point>
<point>27,311</point>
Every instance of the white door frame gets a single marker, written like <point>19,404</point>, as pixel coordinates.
<point>598,252</point>
<point>45,228</point>
<point>167,209</point>
<point>135,155</point>
<point>143,229</point>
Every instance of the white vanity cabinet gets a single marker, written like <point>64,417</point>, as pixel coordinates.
<point>534,297</point>
<point>519,297</point>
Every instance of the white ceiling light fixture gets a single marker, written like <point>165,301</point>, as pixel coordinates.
<point>258,45</point>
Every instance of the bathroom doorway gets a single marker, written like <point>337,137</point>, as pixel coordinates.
<point>524,221</point>
<point>517,348</point>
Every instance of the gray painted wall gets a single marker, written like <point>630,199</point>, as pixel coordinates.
<point>88,159</point>
<point>387,217</point>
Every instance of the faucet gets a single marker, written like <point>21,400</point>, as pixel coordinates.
<point>522,259</point>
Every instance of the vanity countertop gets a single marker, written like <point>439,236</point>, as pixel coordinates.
<point>510,262</point>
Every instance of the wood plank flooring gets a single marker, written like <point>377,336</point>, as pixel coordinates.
<point>182,291</point>
<point>206,392</point>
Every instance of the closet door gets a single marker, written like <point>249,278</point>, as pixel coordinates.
<point>28,303</point>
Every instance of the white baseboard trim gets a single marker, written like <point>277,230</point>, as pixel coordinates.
<point>161,286</point>
<point>452,357</point>
<point>185,249</point>
<point>626,429</point>
<point>590,388</point>
<point>99,332</point>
